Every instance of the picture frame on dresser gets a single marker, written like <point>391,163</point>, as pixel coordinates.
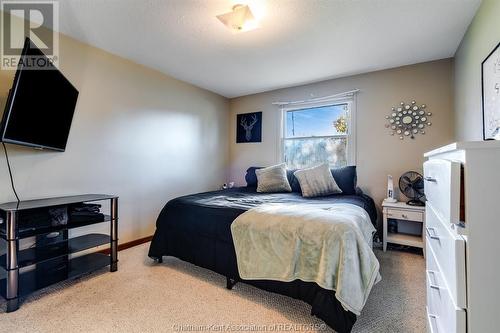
<point>490,94</point>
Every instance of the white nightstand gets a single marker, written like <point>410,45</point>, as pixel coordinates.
<point>404,212</point>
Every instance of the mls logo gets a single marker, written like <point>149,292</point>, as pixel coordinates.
<point>37,20</point>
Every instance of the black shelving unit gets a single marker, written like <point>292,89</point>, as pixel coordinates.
<point>54,256</point>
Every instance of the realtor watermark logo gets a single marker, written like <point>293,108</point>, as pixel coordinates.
<point>36,20</point>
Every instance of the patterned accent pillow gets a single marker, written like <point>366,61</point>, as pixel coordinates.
<point>317,181</point>
<point>273,179</point>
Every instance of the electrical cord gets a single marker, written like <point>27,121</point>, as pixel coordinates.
<point>10,173</point>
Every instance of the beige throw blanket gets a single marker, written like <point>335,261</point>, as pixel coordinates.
<point>329,244</point>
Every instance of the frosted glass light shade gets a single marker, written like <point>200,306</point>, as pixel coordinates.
<point>239,19</point>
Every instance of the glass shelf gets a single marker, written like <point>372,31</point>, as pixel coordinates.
<point>51,202</point>
<point>38,248</point>
<point>34,255</point>
<point>33,231</point>
<point>59,269</point>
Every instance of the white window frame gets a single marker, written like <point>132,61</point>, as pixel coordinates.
<point>351,123</point>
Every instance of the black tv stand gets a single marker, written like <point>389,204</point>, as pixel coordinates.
<point>54,256</point>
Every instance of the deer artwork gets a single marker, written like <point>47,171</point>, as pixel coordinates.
<point>248,127</point>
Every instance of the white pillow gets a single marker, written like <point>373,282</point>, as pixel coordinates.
<point>317,181</point>
<point>273,179</point>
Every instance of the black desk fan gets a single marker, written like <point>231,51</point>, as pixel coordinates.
<point>411,184</point>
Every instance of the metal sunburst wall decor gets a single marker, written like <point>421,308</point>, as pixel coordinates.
<point>407,120</point>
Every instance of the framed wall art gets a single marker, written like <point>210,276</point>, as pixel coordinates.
<point>249,127</point>
<point>490,75</point>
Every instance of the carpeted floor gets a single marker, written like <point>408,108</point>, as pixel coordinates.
<point>177,296</point>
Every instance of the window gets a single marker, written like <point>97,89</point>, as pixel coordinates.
<point>318,134</point>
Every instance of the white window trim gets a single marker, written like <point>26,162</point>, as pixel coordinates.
<point>351,136</point>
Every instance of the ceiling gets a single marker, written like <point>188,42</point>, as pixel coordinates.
<point>298,41</point>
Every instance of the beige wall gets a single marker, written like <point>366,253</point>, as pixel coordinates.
<point>378,153</point>
<point>481,38</point>
<point>136,133</point>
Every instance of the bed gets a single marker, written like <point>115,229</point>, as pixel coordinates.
<point>197,228</point>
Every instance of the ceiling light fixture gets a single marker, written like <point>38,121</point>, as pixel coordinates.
<point>240,19</point>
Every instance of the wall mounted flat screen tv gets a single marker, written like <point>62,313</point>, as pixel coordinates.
<point>40,105</point>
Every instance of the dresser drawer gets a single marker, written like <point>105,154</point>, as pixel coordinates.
<point>449,254</point>
<point>431,321</point>
<point>405,215</point>
<point>442,188</point>
<point>442,314</point>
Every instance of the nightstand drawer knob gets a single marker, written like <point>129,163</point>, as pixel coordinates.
<point>404,216</point>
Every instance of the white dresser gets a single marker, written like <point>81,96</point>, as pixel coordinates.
<point>462,186</point>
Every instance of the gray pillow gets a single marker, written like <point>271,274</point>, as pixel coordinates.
<point>273,179</point>
<point>317,181</point>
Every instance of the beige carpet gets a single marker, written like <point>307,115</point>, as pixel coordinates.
<point>177,296</point>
